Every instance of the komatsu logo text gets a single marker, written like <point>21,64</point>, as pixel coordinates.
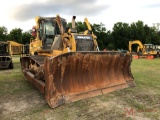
<point>83,37</point>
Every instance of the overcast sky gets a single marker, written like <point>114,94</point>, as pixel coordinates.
<point>21,14</point>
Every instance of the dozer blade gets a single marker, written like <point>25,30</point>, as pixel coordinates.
<point>78,75</point>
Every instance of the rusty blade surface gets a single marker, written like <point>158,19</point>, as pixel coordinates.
<point>78,75</point>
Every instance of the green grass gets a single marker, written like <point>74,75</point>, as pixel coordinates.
<point>12,80</point>
<point>146,95</point>
<point>20,100</point>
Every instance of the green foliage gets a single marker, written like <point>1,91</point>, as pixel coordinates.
<point>118,38</point>
<point>3,33</point>
<point>80,26</point>
<point>110,46</point>
<point>16,35</point>
<point>100,31</point>
<point>123,33</point>
<point>26,38</point>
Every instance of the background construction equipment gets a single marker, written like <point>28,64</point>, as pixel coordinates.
<point>144,50</point>
<point>5,57</point>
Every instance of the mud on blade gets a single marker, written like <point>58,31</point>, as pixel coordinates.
<point>78,75</point>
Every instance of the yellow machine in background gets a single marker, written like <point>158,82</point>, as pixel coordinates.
<point>157,48</point>
<point>25,50</point>
<point>5,56</point>
<point>67,66</point>
<point>15,48</point>
<point>144,50</point>
<point>8,49</point>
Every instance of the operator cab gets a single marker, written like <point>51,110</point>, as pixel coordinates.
<point>5,58</point>
<point>149,47</point>
<point>48,30</point>
<point>4,49</point>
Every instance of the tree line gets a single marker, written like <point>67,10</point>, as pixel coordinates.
<point>117,38</point>
<point>16,35</point>
<point>122,33</point>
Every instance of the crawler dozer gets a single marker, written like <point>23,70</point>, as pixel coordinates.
<point>67,66</point>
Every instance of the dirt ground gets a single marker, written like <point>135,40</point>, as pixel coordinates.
<point>20,100</point>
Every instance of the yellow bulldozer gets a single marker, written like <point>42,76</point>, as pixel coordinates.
<point>67,66</point>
